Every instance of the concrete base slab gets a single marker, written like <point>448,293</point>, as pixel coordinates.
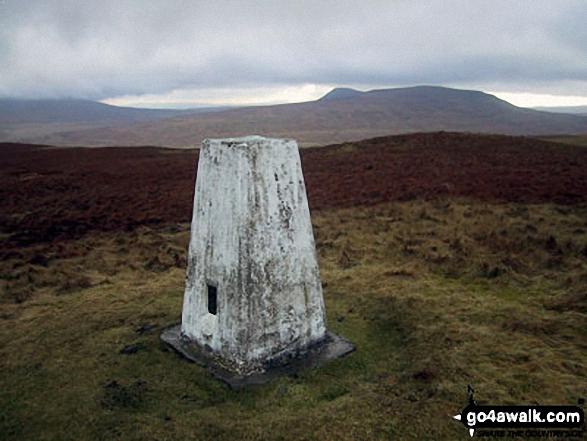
<point>333,346</point>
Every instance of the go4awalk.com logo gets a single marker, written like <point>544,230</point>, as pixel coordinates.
<point>522,421</point>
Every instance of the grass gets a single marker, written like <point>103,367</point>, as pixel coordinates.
<point>436,296</point>
<point>581,141</point>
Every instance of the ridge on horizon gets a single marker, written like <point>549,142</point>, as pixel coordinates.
<point>341,115</point>
<point>350,93</point>
<point>336,93</point>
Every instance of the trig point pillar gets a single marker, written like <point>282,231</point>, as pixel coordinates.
<point>253,301</point>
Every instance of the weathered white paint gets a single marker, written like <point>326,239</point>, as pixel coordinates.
<point>252,239</point>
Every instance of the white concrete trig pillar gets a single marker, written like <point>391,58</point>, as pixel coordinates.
<point>253,297</point>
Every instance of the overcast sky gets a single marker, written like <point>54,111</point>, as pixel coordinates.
<point>200,52</point>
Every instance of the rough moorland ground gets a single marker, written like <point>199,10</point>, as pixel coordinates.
<point>50,193</point>
<point>449,259</point>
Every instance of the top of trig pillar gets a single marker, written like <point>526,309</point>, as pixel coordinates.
<point>249,140</point>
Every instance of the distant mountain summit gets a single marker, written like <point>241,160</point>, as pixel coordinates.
<point>339,116</point>
<point>428,98</point>
<point>420,95</point>
<point>341,93</point>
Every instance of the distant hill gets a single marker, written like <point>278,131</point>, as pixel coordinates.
<point>577,110</point>
<point>340,93</point>
<point>341,115</point>
<point>21,120</point>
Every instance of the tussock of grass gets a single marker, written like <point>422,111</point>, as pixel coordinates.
<point>436,295</point>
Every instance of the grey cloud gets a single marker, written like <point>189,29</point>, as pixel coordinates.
<point>105,48</point>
